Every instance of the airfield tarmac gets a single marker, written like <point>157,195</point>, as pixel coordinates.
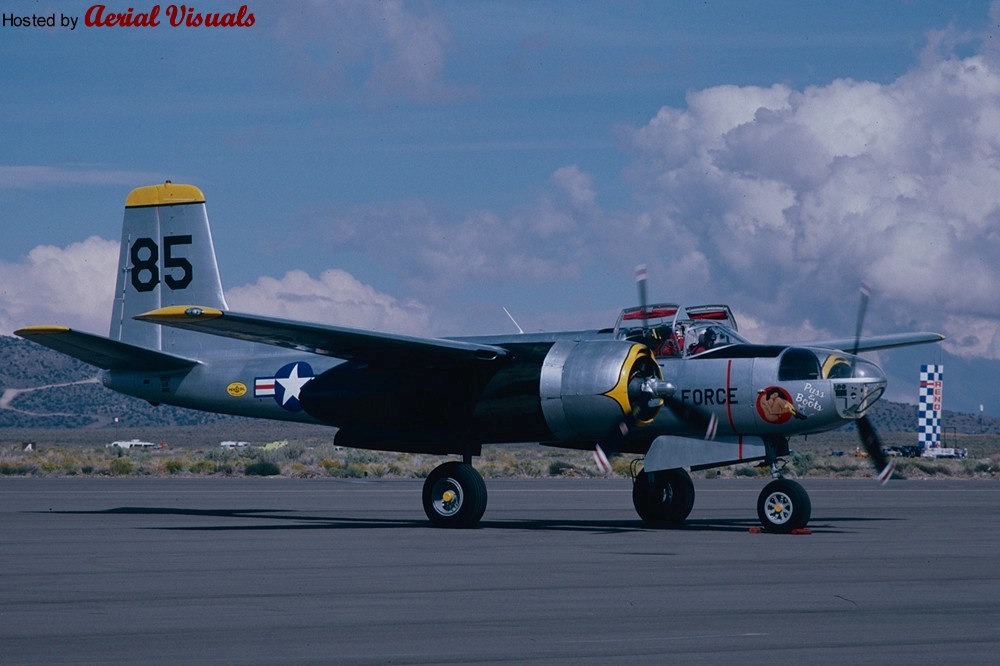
<point>185,570</point>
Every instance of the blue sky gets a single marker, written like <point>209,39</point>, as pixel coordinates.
<point>416,166</point>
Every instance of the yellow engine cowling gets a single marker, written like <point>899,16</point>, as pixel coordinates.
<point>589,388</point>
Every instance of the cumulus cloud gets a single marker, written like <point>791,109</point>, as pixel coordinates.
<point>335,298</point>
<point>72,286</point>
<point>392,50</point>
<point>439,255</point>
<point>785,200</point>
<point>781,201</point>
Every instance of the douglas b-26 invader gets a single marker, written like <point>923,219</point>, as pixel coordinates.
<point>676,385</point>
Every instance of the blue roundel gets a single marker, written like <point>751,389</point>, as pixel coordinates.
<point>288,383</point>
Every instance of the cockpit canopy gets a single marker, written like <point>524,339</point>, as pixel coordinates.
<point>672,331</point>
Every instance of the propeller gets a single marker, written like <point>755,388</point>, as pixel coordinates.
<point>640,283</point>
<point>873,445</point>
<point>644,389</point>
<point>866,293</point>
<point>870,440</point>
<point>642,392</point>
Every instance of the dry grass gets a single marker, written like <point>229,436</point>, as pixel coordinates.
<point>304,459</point>
<point>310,452</point>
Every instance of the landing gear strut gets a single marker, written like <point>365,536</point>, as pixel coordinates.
<point>454,495</point>
<point>664,498</point>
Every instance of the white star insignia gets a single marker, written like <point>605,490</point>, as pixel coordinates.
<point>292,384</point>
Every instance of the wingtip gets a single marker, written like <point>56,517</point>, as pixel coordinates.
<point>44,329</point>
<point>179,313</point>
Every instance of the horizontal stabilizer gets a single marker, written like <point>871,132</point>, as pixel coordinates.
<point>103,352</point>
<point>877,342</point>
<point>347,343</point>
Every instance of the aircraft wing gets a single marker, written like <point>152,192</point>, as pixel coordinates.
<point>347,343</point>
<point>877,342</point>
<point>102,352</point>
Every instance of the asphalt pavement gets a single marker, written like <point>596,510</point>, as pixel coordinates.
<point>265,571</point>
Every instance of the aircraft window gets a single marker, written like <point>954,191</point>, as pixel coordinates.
<point>704,341</point>
<point>837,367</point>
<point>660,339</point>
<point>798,364</point>
<point>663,343</point>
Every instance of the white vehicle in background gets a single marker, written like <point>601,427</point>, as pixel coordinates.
<point>132,444</point>
<point>944,452</point>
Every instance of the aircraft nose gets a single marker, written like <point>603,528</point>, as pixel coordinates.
<point>855,394</point>
<point>865,369</point>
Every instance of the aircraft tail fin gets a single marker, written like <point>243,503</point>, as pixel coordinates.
<point>167,258</point>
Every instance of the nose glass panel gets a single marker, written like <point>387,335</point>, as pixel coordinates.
<point>857,391</point>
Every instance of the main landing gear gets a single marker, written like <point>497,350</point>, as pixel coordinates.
<point>454,495</point>
<point>664,498</point>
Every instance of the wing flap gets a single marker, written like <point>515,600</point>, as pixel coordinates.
<point>877,342</point>
<point>347,343</point>
<point>102,352</point>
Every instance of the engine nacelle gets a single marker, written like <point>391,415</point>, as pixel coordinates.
<point>590,388</point>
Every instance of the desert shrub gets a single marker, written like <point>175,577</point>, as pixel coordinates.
<point>353,471</point>
<point>202,467</point>
<point>620,466</point>
<point>363,456</point>
<point>16,469</point>
<point>751,471</point>
<point>174,466</point>
<point>301,471</point>
<point>929,467</point>
<point>262,468</point>
<point>121,466</point>
<point>978,467</point>
<point>558,467</point>
<point>293,451</point>
<point>803,463</point>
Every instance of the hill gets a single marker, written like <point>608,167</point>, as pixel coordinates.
<point>40,388</point>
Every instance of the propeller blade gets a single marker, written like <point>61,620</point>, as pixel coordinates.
<point>603,464</point>
<point>705,422</point>
<point>640,281</point>
<point>613,444</point>
<point>866,293</point>
<point>872,444</point>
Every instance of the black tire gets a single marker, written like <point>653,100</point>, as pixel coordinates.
<point>454,495</point>
<point>783,506</point>
<point>663,499</point>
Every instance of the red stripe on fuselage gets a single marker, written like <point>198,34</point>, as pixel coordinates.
<point>729,403</point>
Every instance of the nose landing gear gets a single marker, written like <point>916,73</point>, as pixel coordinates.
<point>783,506</point>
